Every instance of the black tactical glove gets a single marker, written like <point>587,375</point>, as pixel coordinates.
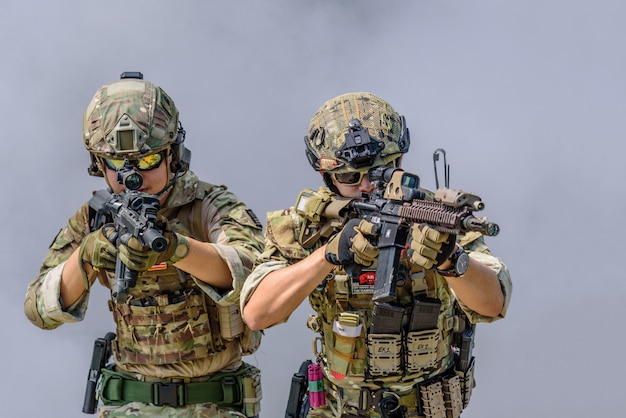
<point>428,247</point>
<point>140,258</point>
<point>350,245</point>
<point>97,249</point>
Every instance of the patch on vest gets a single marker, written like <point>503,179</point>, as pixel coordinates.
<point>364,284</point>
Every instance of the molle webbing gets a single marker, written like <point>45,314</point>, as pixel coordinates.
<point>166,331</point>
<point>413,349</point>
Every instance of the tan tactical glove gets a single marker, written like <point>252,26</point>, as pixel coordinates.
<point>428,247</point>
<point>350,245</point>
<point>97,250</point>
<point>140,258</point>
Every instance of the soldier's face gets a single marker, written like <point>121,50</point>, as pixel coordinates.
<point>153,180</point>
<point>352,184</point>
<point>354,190</point>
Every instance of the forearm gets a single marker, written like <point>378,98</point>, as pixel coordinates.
<point>45,305</point>
<point>205,263</point>
<point>72,282</point>
<point>282,291</point>
<point>479,289</point>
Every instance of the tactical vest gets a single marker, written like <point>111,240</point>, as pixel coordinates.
<point>412,342</point>
<point>167,319</point>
<point>393,343</point>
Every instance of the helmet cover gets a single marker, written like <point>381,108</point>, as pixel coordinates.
<point>129,118</point>
<point>355,131</point>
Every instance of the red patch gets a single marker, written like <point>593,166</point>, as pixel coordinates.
<point>367,278</point>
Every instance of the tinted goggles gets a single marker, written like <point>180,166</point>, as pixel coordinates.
<point>352,178</point>
<point>149,162</point>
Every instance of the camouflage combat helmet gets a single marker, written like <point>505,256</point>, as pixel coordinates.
<point>353,132</point>
<point>131,118</point>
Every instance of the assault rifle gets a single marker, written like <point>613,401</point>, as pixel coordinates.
<point>134,215</point>
<point>393,207</point>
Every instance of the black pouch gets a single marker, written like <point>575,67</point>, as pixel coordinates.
<point>386,319</point>
<point>425,314</point>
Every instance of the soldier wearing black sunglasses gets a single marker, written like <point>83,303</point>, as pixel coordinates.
<point>397,359</point>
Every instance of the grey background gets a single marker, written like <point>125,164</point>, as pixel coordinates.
<point>528,99</point>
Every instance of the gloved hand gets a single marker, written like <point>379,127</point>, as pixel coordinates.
<point>350,245</point>
<point>429,247</point>
<point>98,250</point>
<point>140,258</point>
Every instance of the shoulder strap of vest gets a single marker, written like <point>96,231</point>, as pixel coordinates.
<point>191,215</point>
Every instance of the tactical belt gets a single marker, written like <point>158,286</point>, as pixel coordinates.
<point>438,397</point>
<point>118,390</point>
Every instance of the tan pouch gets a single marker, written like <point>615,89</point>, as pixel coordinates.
<point>384,354</point>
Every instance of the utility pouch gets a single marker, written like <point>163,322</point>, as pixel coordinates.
<point>251,389</point>
<point>431,402</point>
<point>424,314</point>
<point>346,329</point>
<point>386,319</point>
<point>467,382</point>
<point>421,350</point>
<point>384,354</point>
<point>150,329</point>
<point>231,324</point>
<point>452,396</point>
<point>466,348</point>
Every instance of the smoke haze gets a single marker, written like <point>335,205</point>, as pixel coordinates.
<point>527,98</point>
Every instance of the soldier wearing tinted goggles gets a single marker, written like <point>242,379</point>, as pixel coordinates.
<point>352,178</point>
<point>149,162</point>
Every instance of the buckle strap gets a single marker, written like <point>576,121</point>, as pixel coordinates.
<point>172,394</point>
<point>119,390</point>
<point>369,399</point>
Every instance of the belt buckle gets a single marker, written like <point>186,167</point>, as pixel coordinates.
<point>167,394</point>
<point>369,399</point>
<point>229,385</point>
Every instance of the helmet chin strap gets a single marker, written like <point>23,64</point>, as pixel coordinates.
<point>329,183</point>
<point>170,184</point>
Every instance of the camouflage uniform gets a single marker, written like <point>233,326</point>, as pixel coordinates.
<point>338,295</point>
<point>150,345</point>
<point>360,368</point>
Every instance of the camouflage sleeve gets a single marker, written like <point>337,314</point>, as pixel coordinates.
<point>236,234</point>
<point>474,244</point>
<point>281,249</point>
<point>42,303</point>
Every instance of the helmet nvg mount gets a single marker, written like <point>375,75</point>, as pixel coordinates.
<point>353,132</point>
<point>131,118</point>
